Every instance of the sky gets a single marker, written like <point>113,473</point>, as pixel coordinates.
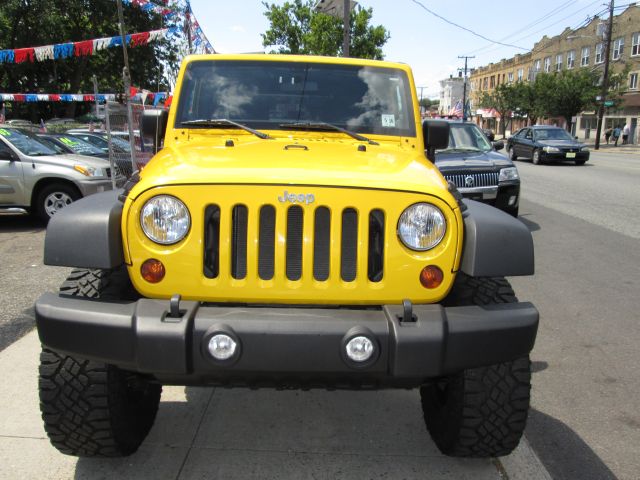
<point>429,44</point>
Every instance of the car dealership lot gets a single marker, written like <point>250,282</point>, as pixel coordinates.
<point>583,424</point>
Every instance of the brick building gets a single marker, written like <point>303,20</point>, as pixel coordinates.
<point>572,49</point>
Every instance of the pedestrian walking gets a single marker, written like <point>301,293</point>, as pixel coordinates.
<point>625,133</point>
<point>616,135</point>
<point>607,134</point>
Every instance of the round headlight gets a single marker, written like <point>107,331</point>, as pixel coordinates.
<point>165,219</point>
<point>422,226</point>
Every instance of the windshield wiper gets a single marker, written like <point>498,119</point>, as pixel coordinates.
<point>327,126</point>
<point>224,122</point>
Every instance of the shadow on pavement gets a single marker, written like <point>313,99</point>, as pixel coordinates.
<point>16,328</point>
<point>562,451</point>
<point>20,224</point>
<point>532,226</point>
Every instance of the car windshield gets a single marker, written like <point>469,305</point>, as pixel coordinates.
<point>552,134</point>
<point>26,142</point>
<point>270,95</point>
<point>53,145</point>
<point>79,146</point>
<point>466,137</point>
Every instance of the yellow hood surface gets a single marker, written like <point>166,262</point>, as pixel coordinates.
<point>299,160</point>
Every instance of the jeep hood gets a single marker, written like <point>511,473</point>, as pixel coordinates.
<point>283,161</point>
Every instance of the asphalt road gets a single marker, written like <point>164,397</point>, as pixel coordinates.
<point>585,417</point>
<point>585,420</point>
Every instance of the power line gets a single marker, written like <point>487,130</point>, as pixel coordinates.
<point>465,28</point>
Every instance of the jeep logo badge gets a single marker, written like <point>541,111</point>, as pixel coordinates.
<point>306,198</point>
<point>468,181</point>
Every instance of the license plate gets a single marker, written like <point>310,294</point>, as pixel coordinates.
<point>571,155</point>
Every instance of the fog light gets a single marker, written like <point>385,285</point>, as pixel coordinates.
<point>222,347</point>
<point>512,200</point>
<point>360,349</point>
<point>152,270</point>
<point>431,276</point>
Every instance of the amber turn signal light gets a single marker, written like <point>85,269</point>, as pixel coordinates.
<point>152,270</point>
<point>431,276</point>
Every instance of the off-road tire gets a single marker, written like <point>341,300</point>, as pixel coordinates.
<point>92,409</point>
<point>479,412</point>
<point>66,192</point>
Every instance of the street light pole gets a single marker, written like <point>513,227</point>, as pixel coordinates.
<point>605,79</point>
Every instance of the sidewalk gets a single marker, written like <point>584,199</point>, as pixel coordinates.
<point>611,148</point>
<point>245,434</point>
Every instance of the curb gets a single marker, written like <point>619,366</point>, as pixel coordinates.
<point>522,464</point>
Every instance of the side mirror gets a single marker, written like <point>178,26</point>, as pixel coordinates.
<point>153,126</point>
<point>436,136</point>
<point>499,145</point>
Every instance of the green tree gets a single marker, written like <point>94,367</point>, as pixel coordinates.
<point>46,22</point>
<point>504,99</point>
<point>297,28</point>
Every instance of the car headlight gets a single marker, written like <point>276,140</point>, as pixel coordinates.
<point>421,226</point>
<point>165,219</point>
<point>90,171</point>
<point>584,149</point>
<point>551,149</point>
<point>510,173</point>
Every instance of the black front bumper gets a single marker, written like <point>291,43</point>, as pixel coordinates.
<point>286,346</point>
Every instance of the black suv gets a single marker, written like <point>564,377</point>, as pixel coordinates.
<point>543,143</point>
<point>479,172</point>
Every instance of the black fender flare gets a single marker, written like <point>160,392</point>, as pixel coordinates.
<point>86,233</point>
<point>495,243</point>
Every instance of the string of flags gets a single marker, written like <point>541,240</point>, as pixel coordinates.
<point>82,48</point>
<point>136,95</point>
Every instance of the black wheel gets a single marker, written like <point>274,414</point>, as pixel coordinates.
<point>511,152</point>
<point>54,198</point>
<point>580,162</point>
<point>92,409</point>
<point>537,157</point>
<point>479,412</point>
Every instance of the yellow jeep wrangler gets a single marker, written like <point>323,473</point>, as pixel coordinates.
<point>291,233</point>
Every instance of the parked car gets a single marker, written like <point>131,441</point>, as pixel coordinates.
<point>543,143</point>
<point>64,143</point>
<point>479,172</point>
<point>35,178</point>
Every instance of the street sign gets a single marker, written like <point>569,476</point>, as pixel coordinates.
<point>608,103</point>
<point>333,7</point>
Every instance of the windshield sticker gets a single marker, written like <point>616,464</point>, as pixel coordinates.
<point>68,141</point>
<point>5,132</point>
<point>388,120</point>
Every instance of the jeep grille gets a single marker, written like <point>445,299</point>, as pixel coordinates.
<point>345,237</point>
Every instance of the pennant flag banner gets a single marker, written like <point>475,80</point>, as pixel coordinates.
<point>57,97</point>
<point>83,48</point>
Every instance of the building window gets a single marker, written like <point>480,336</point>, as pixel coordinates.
<point>492,81</point>
<point>485,83</point>
<point>633,81</point>
<point>536,66</point>
<point>599,52</point>
<point>547,64</point>
<point>510,77</point>
<point>584,61</point>
<point>635,44</point>
<point>520,74</point>
<point>618,47</point>
<point>571,59</point>
<point>558,62</point>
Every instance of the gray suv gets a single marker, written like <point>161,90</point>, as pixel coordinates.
<point>34,178</point>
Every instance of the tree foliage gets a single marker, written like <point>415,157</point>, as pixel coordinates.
<point>504,99</point>
<point>45,22</point>
<point>297,28</point>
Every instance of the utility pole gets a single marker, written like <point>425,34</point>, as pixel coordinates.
<point>346,27</point>
<point>464,88</point>
<point>187,25</point>
<point>127,88</point>
<point>605,79</point>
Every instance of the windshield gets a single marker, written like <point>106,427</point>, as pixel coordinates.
<point>26,142</point>
<point>79,146</point>
<point>466,137</point>
<point>265,95</point>
<point>552,134</point>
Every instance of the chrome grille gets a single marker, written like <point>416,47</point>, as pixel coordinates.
<point>489,179</point>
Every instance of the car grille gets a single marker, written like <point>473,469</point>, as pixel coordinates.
<point>489,179</point>
<point>347,238</point>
